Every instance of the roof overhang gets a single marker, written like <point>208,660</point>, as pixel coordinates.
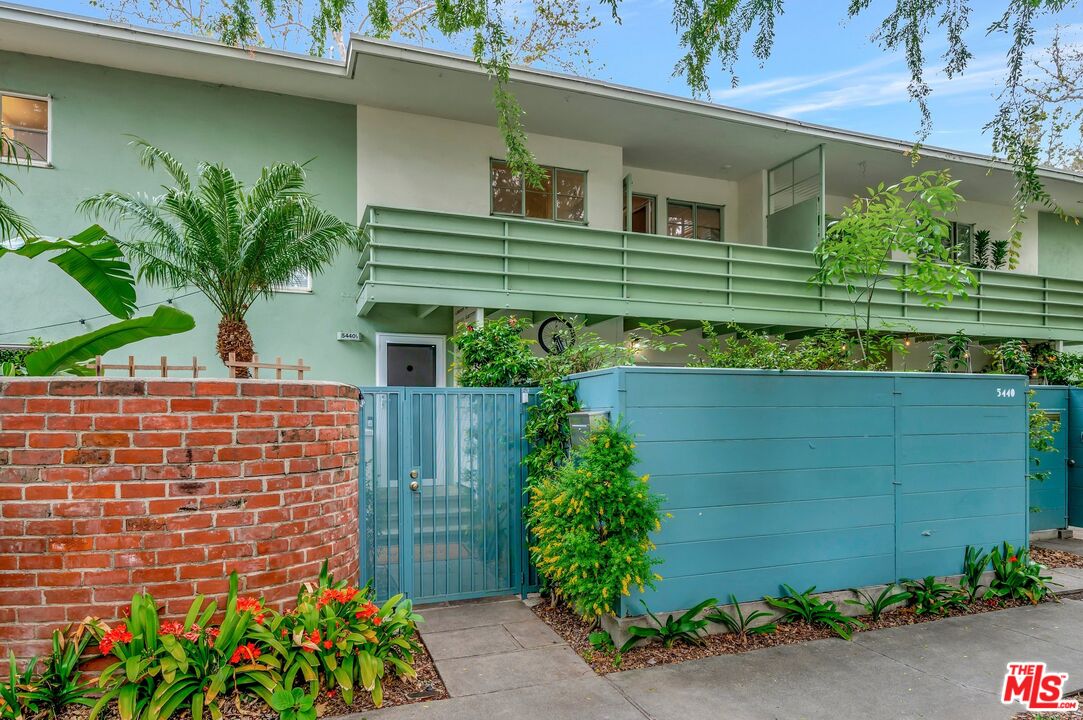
<point>655,130</point>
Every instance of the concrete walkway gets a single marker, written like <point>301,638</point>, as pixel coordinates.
<point>499,661</point>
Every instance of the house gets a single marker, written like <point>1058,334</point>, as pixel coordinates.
<point>656,207</point>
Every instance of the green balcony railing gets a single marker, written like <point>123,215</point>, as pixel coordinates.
<point>433,259</point>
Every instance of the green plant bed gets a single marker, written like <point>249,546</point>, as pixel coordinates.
<point>333,651</point>
<point>604,659</point>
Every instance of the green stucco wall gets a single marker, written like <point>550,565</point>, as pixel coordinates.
<point>94,109</point>
<point>1060,247</point>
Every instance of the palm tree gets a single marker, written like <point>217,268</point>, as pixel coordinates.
<point>232,243</point>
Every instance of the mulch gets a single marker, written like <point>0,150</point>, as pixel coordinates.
<point>575,631</point>
<point>1055,558</point>
<point>397,691</point>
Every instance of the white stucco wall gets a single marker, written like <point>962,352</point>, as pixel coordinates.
<point>752,209</point>
<point>689,188</point>
<point>995,218</point>
<point>428,163</point>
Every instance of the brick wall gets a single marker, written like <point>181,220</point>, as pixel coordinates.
<point>111,486</point>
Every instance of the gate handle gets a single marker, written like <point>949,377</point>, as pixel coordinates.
<point>414,485</point>
<point>1071,462</point>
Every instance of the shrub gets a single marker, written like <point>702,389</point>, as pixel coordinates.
<point>493,354</point>
<point>974,564</point>
<point>876,605</point>
<point>932,597</point>
<point>591,522</point>
<point>1016,576</point>
<point>813,610</point>
<point>685,628</point>
<point>336,637</point>
<point>740,624</point>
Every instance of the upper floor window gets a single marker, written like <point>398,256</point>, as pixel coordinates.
<point>25,119</point>
<point>300,281</point>
<point>693,220</point>
<point>562,195</point>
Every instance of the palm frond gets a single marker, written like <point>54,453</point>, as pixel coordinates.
<point>150,156</point>
<point>231,242</point>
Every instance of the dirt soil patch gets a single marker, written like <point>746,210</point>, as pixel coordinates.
<point>1055,558</point>
<point>397,691</point>
<point>575,631</point>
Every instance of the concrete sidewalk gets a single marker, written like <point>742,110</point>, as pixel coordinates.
<point>499,661</point>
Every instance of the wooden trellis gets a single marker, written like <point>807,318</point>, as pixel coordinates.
<point>278,366</point>
<point>163,367</point>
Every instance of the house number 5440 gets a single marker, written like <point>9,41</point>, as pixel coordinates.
<point>1005,392</point>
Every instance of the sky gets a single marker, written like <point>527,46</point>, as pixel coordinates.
<point>824,69</point>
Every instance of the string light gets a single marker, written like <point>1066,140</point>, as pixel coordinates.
<point>84,321</point>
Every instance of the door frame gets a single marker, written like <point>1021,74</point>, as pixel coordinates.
<point>437,341</point>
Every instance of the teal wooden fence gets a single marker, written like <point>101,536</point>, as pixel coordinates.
<point>828,479</point>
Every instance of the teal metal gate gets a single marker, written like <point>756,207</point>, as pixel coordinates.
<point>1049,496</point>
<point>442,491</point>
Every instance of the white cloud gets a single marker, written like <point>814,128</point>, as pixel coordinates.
<point>794,83</point>
<point>890,88</point>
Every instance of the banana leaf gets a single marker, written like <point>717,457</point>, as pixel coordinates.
<point>91,258</point>
<point>64,355</point>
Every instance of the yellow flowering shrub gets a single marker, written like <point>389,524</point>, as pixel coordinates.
<point>591,522</point>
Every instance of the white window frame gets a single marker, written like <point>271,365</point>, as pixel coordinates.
<point>48,100</point>
<point>437,341</point>
<point>290,289</point>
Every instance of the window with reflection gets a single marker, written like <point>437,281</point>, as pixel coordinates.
<point>561,196</point>
<point>25,120</point>
<point>693,220</point>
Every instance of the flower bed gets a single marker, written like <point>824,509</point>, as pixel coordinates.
<point>333,651</point>
<point>576,632</point>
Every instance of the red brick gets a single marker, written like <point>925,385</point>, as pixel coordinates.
<point>97,406</point>
<point>138,456</point>
<point>48,405</point>
<point>212,422</point>
<point>116,422</point>
<point>12,439</point>
<point>157,439</point>
<point>165,422</point>
<point>139,406</point>
<point>142,490</point>
<point>124,388</point>
<point>73,387</point>
<point>95,456</point>
<point>69,422</point>
<point>10,423</point>
<point>46,492</point>
<point>52,440</point>
<point>106,439</point>
<point>77,509</point>
<point>180,405</point>
<point>198,439</point>
<point>203,388</point>
<point>259,389</point>
<point>97,490</point>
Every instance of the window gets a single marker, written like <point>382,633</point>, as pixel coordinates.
<point>643,213</point>
<point>693,220</point>
<point>300,281</point>
<point>960,240</point>
<point>25,120</point>
<point>562,195</point>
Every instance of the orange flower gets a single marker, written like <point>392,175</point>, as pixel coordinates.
<point>119,634</point>
<point>247,652</point>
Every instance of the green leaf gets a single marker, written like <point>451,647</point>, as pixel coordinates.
<point>53,359</point>
<point>93,259</point>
